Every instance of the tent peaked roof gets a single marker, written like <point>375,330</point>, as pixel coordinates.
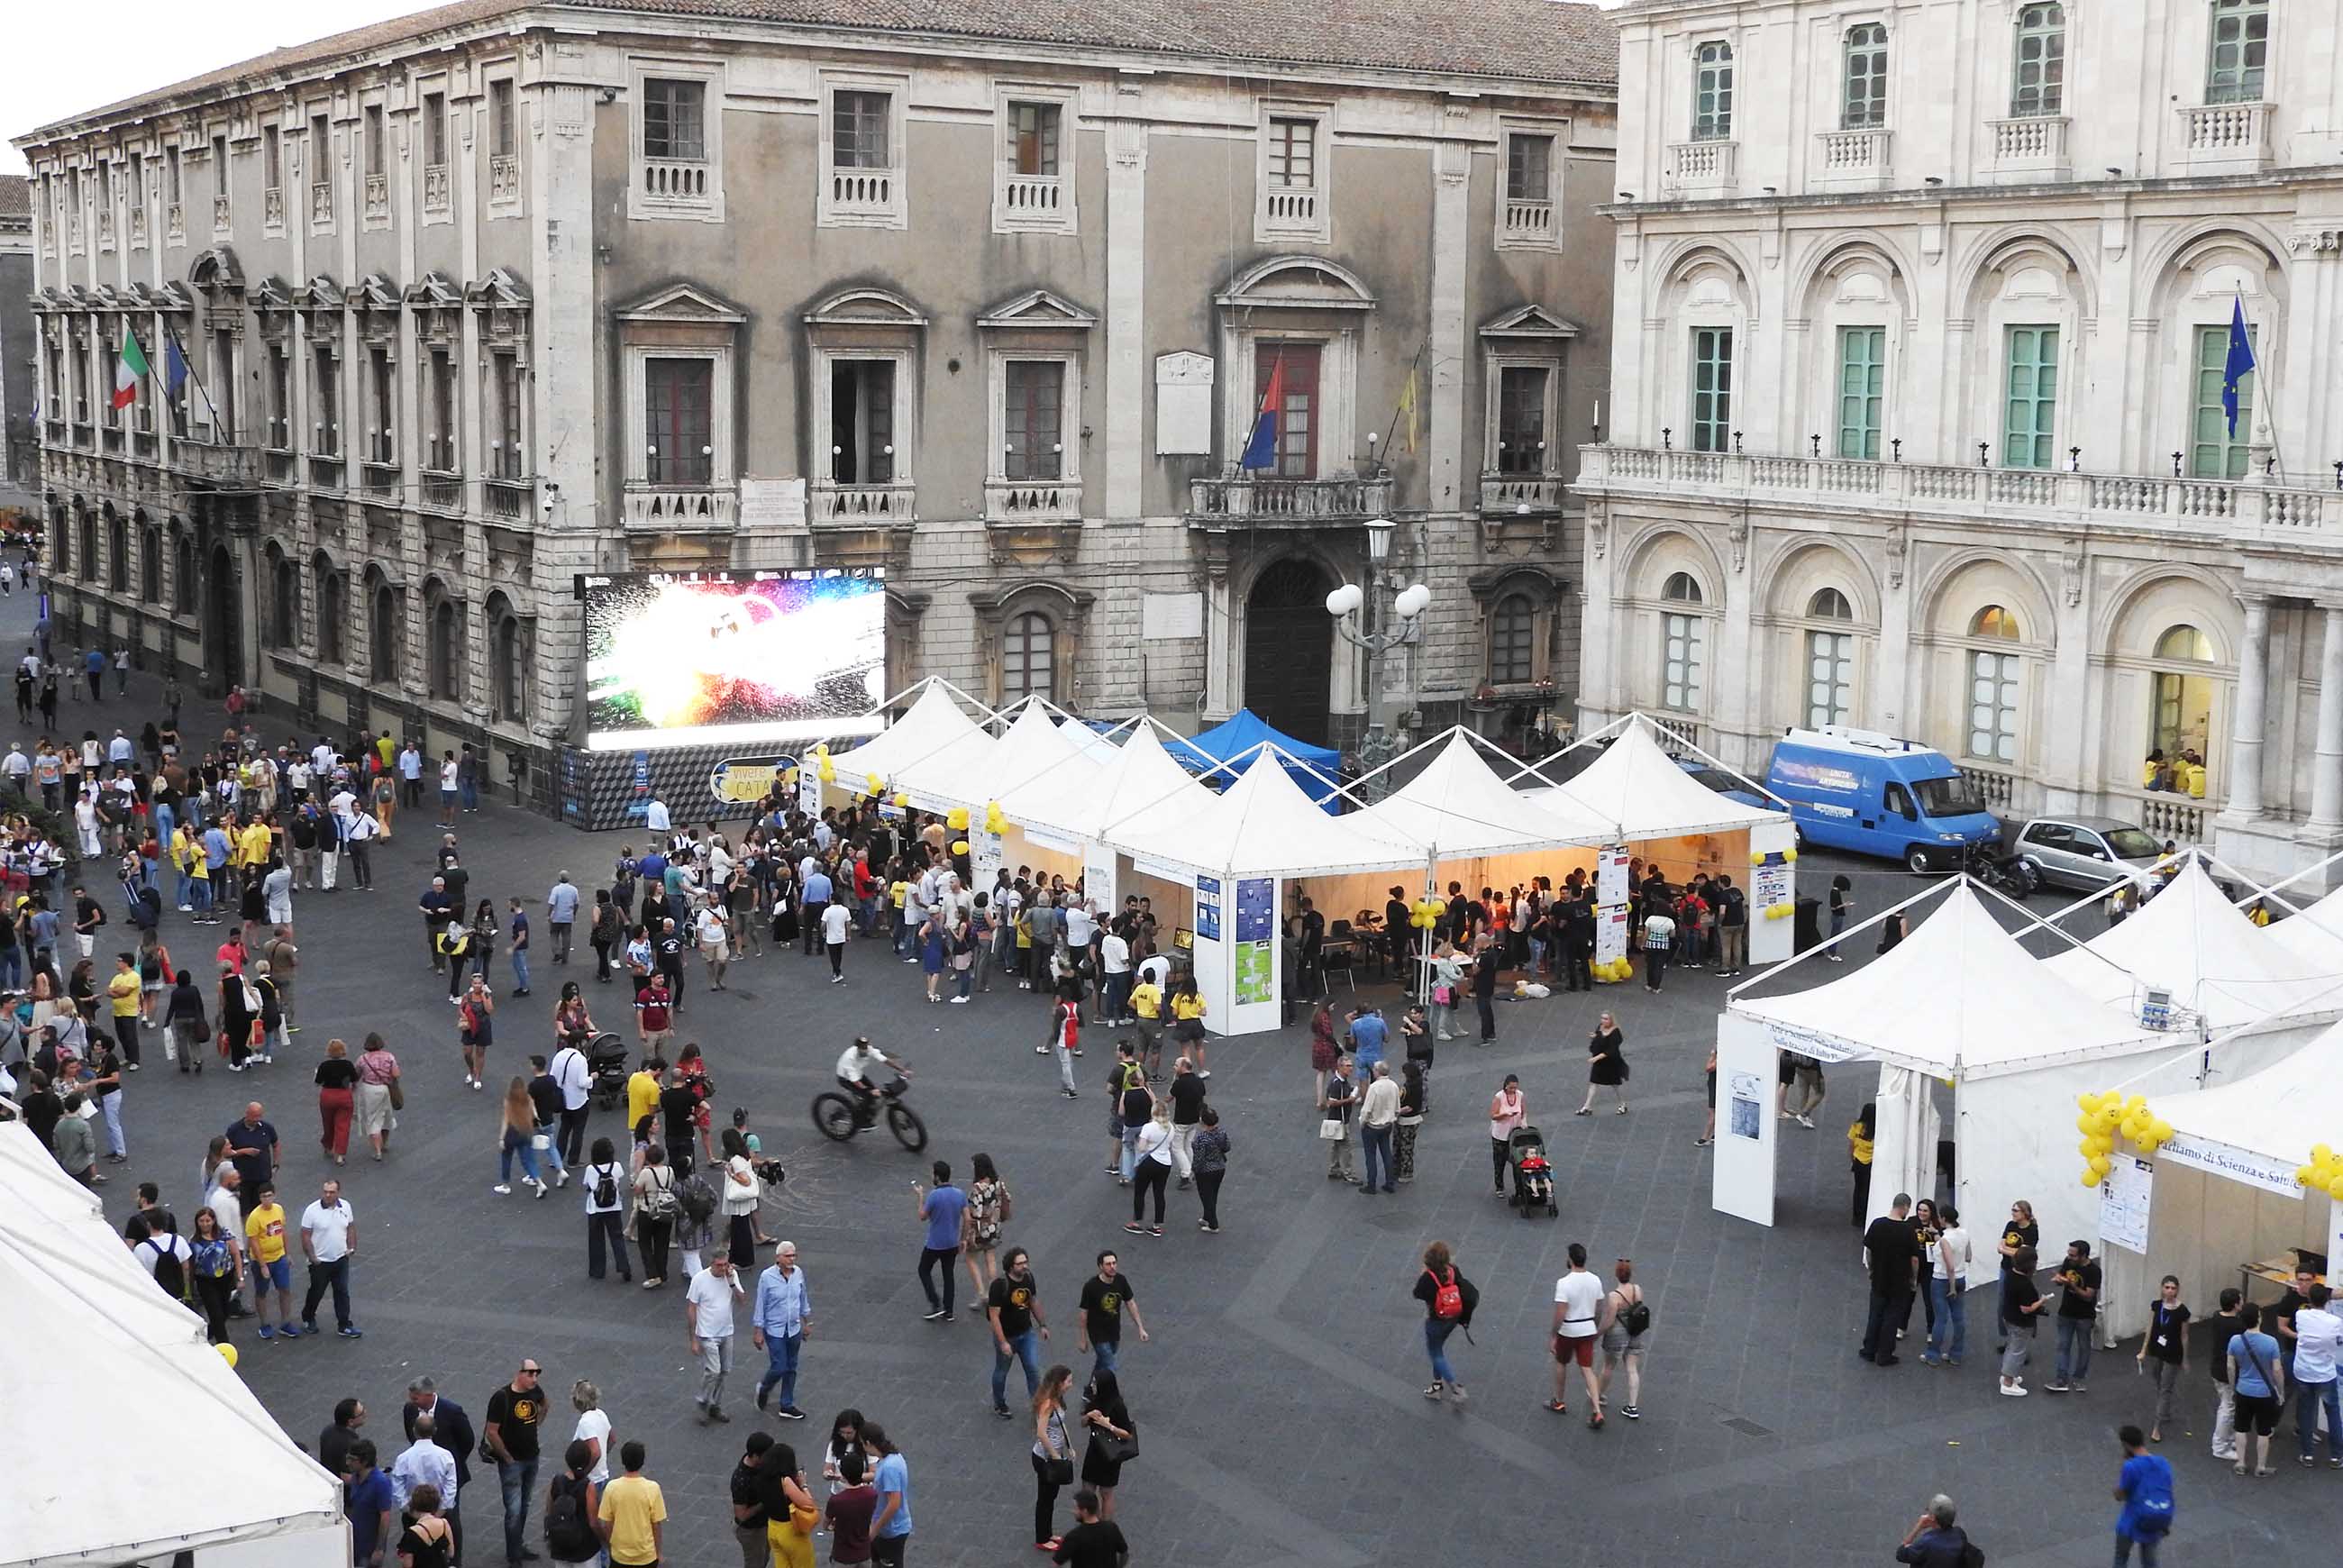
<point>2316,935</point>
<point>1459,805</point>
<point>1036,746</point>
<point>2280,1114</point>
<point>926,727</point>
<point>1638,790</point>
<point>1239,740</point>
<point>1264,826</point>
<point>1958,995</point>
<point>2190,942</point>
<point>1137,781</point>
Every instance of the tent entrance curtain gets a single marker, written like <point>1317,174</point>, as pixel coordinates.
<point>1904,1142</point>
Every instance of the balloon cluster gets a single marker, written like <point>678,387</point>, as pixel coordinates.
<point>2104,1116</point>
<point>1613,971</point>
<point>2324,1173</point>
<point>1779,911</point>
<point>875,785</point>
<point>995,819</point>
<point>823,768</point>
<point>957,819</point>
<point>1424,913</point>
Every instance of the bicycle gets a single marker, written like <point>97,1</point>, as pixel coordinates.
<point>837,1118</point>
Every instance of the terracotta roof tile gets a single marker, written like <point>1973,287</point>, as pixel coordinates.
<point>15,197</point>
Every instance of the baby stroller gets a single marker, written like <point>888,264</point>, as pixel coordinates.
<point>606,1059</point>
<point>1532,1172</point>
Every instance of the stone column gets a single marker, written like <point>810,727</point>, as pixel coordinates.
<point>1126,302</point>
<point>2327,765</point>
<point>2244,792</point>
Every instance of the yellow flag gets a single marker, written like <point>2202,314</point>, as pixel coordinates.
<point>1407,407</point>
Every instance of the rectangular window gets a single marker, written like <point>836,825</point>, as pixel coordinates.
<point>1293,153</point>
<point>2241,52</point>
<point>272,158</point>
<point>2029,424</point>
<point>434,129</point>
<point>376,161</point>
<point>382,383</point>
<point>1862,384</point>
<point>321,150</point>
<point>2213,452</point>
<point>1529,168</point>
<point>1297,413</point>
<point>862,421</point>
<point>444,454</point>
<point>1865,104</point>
<point>674,119</point>
<point>677,397</point>
<point>504,375</point>
<point>1993,707</point>
<point>1711,93</point>
<point>1680,661</point>
<point>170,177</point>
<point>324,401</point>
<point>222,402</point>
<point>133,181</point>
<point>2038,76</point>
<point>1034,138</point>
<point>1521,419</point>
<point>1032,420</point>
<point>504,135</point>
<point>860,123</point>
<point>1712,390</point>
<point>1830,677</point>
<point>280,397</point>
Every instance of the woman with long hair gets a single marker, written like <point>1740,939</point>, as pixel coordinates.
<point>1622,1346</point>
<point>1859,1135</point>
<point>790,1546</point>
<point>517,1122</point>
<point>987,1210</point>
<point>1110,1422</point>
<point>573,1025</point>
<point>1150,1165</point>
<point>338,1080</point>
<point>1606,1064</point>
<point>845,1438</point>
<point>740,1195</point>
<point>1509,1108</point>
<point>155,975</point>
<point>1187,1005</point>
<point>212,1269</point>
<point>377,1088</point>
<point>1054,1456</point>
<point>182,1016</point>
<point>484,935</point>
<point>656,1209</point>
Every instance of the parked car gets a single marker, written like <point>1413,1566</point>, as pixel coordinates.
<point>2087,852</point>
<point>1732,786</point>
<point>1876,794</point>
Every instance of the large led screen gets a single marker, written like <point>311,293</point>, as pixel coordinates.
<point>694,658</point>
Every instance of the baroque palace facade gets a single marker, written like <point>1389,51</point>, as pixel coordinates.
<point>511,291</point>
<point>1921,322</point>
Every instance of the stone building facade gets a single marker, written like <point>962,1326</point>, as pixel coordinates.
<point>507,292</point>
<point>1919,354</point>
<point>20,447</point>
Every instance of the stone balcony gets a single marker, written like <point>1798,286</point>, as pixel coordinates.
<point>219,462</point>
<point>2299,518</point>
<point>832,504</point>
<point>1854,159</point>
<point>680,509</point>
<point>1709,166</point>
<point>1520,494</point>
<point>2225,139</point>
<point>1251,501</point>
<point>1033,501</point>
<point>2029,147</point>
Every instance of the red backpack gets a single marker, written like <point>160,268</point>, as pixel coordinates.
<point>1448,1298</point>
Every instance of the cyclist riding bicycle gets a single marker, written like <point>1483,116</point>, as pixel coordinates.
<point>857,1075</point>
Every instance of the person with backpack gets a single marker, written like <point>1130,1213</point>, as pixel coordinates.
<point>1731,928</point>
<point>605,1213</point>
<point>1628,1321</point>
<point>655,1208</point>
<point>1936,1542</point>
<point>164,1255</point>
<point>572,1504</point>
<point>2144,1487</point>
<point>695,1220</point>
<point>1448,1298</point>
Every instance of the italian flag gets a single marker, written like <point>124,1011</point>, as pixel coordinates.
<point>129,370</point>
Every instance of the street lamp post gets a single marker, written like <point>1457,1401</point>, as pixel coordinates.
<point>1352,609</point>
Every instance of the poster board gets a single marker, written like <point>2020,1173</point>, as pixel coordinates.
<point>1256,941</point>
<point>1208,909</point>
<point>2123,1201</point>
<point>1097,878</point>
<point>1772,884</point>
<point>1742,1171</point>
<point>1611,903</point>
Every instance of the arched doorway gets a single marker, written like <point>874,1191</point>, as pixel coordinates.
<point>222,619</point>
<point>1290,649</point>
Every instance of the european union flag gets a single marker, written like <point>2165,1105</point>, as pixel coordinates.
<point>174,370</point>
<point>2240,365</point>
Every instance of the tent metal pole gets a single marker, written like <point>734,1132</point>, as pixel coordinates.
<point>1824,946</point>
<point>2262,892</point>
<point>1419,745</point>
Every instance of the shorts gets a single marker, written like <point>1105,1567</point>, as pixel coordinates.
<point>279,1275</point>
<point>1568,1350</point>
<point>1811,1079</point>
<point>2258,1415</point>
<point>1188,1030</point>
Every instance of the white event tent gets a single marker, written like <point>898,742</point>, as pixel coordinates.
<point>1638,794</point>
<point>2315,935</point>
<point>933,721</point>
<point>2224,1193</point>
<point>104,1363</point>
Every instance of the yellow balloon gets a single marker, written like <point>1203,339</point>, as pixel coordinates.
<point>2335,1187</point>
<point>960,846</point>
<point>2098,1163</point>
<point>2137,1103</point>
<point>1790,856</point>
<point>1757,857</point>
<point>2086,1148</point>
<point>2090,1181</point>
<point>2162,1130</point>
<point>2304,1175</point>
<point>2321,1153</point>
<point>902,797</point>
<point>2089,1101</point>
<point>227,1354</point>
<point>956,819</point>
<point>875,782</point>
<point>2089,1124</point>
<point>829,773</point>
<point>2102,1142</point>
<point>2110,1116</point>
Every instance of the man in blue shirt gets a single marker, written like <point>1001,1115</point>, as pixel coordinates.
<point>782,1315</point>
<point>371,1503</point>
<point>1933,1541</point>
<point>1368,1034</point>
<point>941,1209</point>
<point>215,852</point>
<point>817,897</point>
<point>2145,1490</point>
<point>891,1526</point>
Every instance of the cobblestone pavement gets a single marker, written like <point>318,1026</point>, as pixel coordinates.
<point>1279,1403</point>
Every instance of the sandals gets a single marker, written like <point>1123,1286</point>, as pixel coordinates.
<point>1556,1406</point>
<point>1583,1110</point>
<point>1594,1422</point>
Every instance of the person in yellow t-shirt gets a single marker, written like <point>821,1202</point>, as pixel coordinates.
<point>1188,1020</point>
<point>123,991</point>
<point>263,1235</point>
<point>633,1511</point>
<point>1147,1007</point>
<point>194,875</point>
<point>642,1096</point>
<point>252,844</point>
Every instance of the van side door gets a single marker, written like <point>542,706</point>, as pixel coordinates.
<point>1896,803</point>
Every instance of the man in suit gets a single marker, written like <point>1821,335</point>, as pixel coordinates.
<point>451,1428</point>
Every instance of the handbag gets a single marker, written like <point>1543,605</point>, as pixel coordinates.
<point>397,1094</point>
<point>1058,1471</point>
<point>1330,1130</point>
<point>803,1518</point>
<point>1117,1450</point>
<point>1443,995</point>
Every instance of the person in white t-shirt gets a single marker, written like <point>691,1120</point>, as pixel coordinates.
<point>329,1241</point>
<point>1115,979</point>
<point>2317,1341</point>
<point>836,916</point>
<point>593,1427</point>
<point>655,817</point>
<point>708,1320</point>
<point>1578,1310</point>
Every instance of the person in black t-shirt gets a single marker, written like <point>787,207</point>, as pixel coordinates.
<point>2213,1337</point>
<point>752,1492</point>
<point>1013,1305</point>
<point>2019,1232</point>
<point>1893,1248</point>
<point>1092,1543</point>
<point>2079,1314</point>
<point>1107,1296</point>
<point>2165,1346</point>
<point>1186,1094</point>
<point>515,1412</point>
<point>2021,1304</point>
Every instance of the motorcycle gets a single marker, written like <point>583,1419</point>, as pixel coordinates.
<point>2001,870</point>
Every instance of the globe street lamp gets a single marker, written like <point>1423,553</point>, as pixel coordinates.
<point>1353,608</point>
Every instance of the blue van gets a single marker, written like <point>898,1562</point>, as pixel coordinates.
<point>1872,793</point>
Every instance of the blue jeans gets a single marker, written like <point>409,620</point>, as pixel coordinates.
<point>518,1477</point>
<point>1377,1141</point>
<point>781,1367</point>
<point>1116,1004</point>
<point>1950,1337</point>
<point>2310,1396</point>
<point>1025,1347</point>
<point>2074,1349</point>
<point>1436,1345</point>
<point>520,968</point>
<point>12,966</point>
<point>470,790</point>
<point>1103,1354</point>
<point>515,1143</point>
<point>202,888</point>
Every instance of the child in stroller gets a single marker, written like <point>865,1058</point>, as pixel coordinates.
<point>1532,1172</point>
<point>606,1059</point>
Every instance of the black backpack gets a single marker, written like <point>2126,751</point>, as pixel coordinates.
<point>170,1274</point>
<point>698,1197</point>
<point>606,1186</point>
<point>568,1535</point>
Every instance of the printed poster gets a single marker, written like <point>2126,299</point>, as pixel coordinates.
<point>1746,1106</point>
<point>2124,1200</point>
<point>1256,967</point>
<point>1208,909</point>
<point>1257,909</point>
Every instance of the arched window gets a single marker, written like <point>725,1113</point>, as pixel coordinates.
<point>150,565</point>
<point>1029,658</point>
<point>2241,52</point>
<point>183,574</point>
<point>2180,706</point>
<point>1994,674</point>
<point>1865,104</point>
<point>508,664</point>
<point>1830,662</point>
<point>445,666</point>
<point>117,551</point>
<point>85,552</point>
<point>2037,77</point>
<point>332,596</point>
<point>1511,632</point>
<point>284,602</point>
<point>1712,92</point>
<point>1683,634</point>
<point>383,630</point>
<point>1681,588</point>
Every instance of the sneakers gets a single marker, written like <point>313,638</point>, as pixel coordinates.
<point>502,1189</point>
<point>1136,1229</point>
<point>1070,1094</point>
<point>960,1002</point>
<point>1632,1411</point>
<point>790,1412</point>
<point>1456,1392</point>
<point>351,1332</point>
<point>266,1332</point>
<point>1437,1391</point>
<point>1001,1411</point>
<point>935,1317</point>
<point>1806,1122</point>
<point>2056,1386</point>
<point>2016,1390</point>
<point>562,1180</point>
<point>1702,1143</point>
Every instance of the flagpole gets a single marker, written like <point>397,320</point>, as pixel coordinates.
<point>1412,367</point>
<point>2268,403</point>
<point>189,360</point>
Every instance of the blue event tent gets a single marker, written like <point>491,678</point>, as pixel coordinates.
<point>1316,769</point>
